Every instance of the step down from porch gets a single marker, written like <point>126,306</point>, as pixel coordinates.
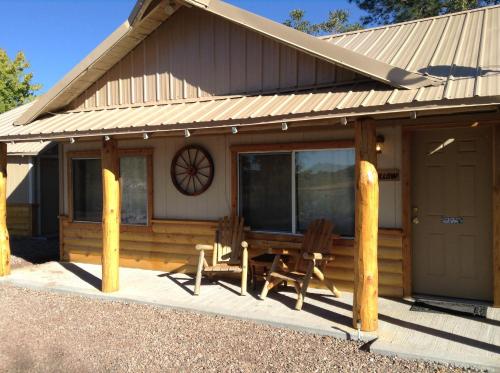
<point>451,306</point>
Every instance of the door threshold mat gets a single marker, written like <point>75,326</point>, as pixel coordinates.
<point>451,307</point>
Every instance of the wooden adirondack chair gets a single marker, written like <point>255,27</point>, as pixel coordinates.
<point>229,253</point>
<point>314,254</point>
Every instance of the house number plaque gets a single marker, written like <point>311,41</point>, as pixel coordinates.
<point>452,220</point>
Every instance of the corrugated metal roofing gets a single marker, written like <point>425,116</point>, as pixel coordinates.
<point>20,148</point>
<point>462,48</point>
<point>27,148</point>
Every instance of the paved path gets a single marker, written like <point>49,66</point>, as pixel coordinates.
<point>438,337</point>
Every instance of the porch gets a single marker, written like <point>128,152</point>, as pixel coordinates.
<point>431,336</point>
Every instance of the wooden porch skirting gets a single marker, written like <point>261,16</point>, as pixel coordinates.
<point>21,219</point>
<point>169,245</point>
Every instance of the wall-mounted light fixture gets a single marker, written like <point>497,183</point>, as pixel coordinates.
<point>343,121</point>
<point>187,133</point>
<point>234,130</point>
<point>284,126</point>
<point>413,115</point>
<point>145,136</point>
<point>107,138</point>
<point>72,140</point>
<point>380,144</point>
<point>475,124</point>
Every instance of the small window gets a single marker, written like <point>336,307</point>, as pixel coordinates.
<point>134,189</point>
<point>285,191</point>
<point>87,189</point>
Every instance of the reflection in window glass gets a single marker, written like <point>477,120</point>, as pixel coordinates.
<point>134,189</point>
<point>325,188</point>
<point>87,190</point>
<point>266,191</point>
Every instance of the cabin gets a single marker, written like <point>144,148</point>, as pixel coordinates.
<point>32,186</point>
<point>195,109</point>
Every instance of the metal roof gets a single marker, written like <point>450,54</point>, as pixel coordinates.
<point>462,48</point>
<point>128,35</point>
<point>365,99</point>
<point>20,148</point>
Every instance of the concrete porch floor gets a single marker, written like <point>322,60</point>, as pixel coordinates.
<point>419,335</point>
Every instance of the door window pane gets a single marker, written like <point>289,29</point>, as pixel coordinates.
<point>325,188</point>
<point>134,188</point>
<point>266,191</point>
<point>87,189</point>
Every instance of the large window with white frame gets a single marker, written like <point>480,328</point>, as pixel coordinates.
<point>87,189</point>
<point>283,191</point>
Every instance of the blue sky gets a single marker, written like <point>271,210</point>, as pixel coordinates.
<point>56,34</point>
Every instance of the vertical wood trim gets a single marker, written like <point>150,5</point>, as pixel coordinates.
<point>4,233</point>
<point>406,212</point>
<point>234,182</point>
<point>365,298</point>
<point>496,216</point>
<point>150,177</point>
<point>110,216</point>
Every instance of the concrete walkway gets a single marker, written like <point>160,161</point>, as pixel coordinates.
<point>419,335</point>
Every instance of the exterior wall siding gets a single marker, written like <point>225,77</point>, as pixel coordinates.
<point>181,221</point>
<point>194,54</point>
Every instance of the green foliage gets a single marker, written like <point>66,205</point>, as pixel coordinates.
<point>15,82</point>
<point>392,11</point>
<point>337,22</point>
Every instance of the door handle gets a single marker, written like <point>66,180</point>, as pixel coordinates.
<point>415,219</point>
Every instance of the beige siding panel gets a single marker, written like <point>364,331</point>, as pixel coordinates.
<point>194,54</point>
<point>114,86</point>
<point>238,65</point>
<point>18,180</point>
<point>151,66</point>
<point>270,64</point>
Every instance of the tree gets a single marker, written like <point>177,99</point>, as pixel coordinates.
<point>337,22</point>
<point>392,11</point>
<point>16,87</point>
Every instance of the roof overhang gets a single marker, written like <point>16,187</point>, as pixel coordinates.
<point>147,15</point>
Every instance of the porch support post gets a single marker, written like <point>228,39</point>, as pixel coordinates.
<point>496,216</point>
<point>110,216</point>
<point>4,233</point>
<point>365,302</point>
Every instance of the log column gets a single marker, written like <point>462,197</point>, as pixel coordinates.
<point>496,216</point>
<point>110,216</point>
<point>365,302</point>
<point>4,233</point>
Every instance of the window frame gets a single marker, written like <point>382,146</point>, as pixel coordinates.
<point>96,154</point>
<point>292,148</point>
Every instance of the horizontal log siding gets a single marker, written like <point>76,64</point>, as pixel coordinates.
<point>169,246</point>
<point>20,219</point>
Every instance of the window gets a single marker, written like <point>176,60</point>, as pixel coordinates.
<point>134,188</point>
<point>285,191</point>
<point>87,189</point>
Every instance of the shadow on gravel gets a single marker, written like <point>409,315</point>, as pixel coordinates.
<point>27,251</point>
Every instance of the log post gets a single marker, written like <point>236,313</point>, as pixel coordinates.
<point>110,216</point>
<point>496,216</point>
<point>365,298</point>
<point>4,233</point>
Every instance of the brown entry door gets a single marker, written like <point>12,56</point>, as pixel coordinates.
<point>451,208</point>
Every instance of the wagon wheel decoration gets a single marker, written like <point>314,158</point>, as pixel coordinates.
<point>192,170</point>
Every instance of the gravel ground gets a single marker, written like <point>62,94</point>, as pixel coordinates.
<point>29,251</point>
<point>49,332</point>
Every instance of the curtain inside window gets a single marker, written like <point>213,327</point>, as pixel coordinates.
<point>325,188</point>
<point>134,189</point>
<point>87,190</point>
<point>266,191</point>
